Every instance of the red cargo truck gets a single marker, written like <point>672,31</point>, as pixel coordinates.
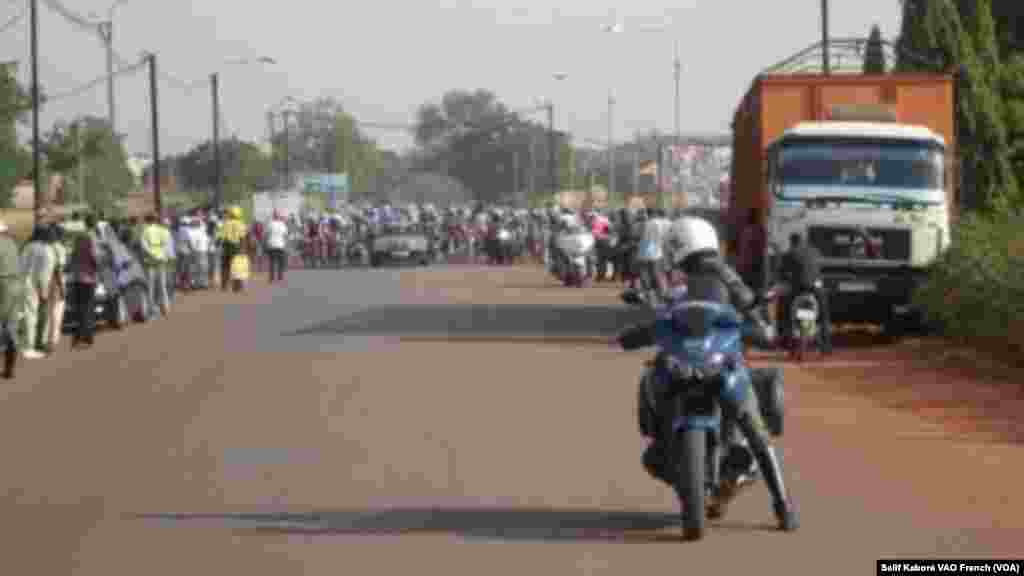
<point>861,166</point>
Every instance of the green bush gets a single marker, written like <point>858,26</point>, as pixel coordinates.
<point>975,292</point>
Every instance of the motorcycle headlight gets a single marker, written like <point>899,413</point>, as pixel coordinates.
<point>715,364</point>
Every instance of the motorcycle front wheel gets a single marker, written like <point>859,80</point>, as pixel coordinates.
<point>690,486</point>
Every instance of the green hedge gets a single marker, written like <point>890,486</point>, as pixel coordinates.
<point>975,292</point>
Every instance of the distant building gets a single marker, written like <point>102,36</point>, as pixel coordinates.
<point>24,195</point>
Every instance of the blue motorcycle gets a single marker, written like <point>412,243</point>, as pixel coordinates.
<point>701,362</point>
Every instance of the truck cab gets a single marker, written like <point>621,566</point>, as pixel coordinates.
<point>871,197</point>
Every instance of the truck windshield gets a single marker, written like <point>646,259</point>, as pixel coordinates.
<point>913,170</point>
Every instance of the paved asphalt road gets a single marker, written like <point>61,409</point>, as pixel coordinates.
<point>292,431</point>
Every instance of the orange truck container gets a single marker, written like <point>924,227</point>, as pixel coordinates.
<point>776,103</point>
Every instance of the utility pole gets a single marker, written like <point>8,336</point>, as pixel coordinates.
<point>37,176</point>
<point>553,169</point>
<point>826,66</point>
<point>106,30</point>
<point>677,67</point>
<point>533,164</point>
<point>270,130</point>
<point>287,152</point>
<point>81,162</point>
<point>154,110</point>
<point>636,171</point>
<point>657,176</point>
<point>611,149</point>
<point>515,173</point>
<point>218,174</point>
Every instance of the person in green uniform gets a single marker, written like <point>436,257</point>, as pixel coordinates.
<point>11,292</point>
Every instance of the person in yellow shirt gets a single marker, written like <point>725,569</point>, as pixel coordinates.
<point>155,240</point>
<point>232,234</point>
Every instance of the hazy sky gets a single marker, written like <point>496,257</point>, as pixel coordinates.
<point>384,58</point>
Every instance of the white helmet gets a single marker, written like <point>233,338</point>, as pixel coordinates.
<point>690,235</point>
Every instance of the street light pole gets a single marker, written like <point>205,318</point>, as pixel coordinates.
<point>287,152</point>
<point>154,110</point>
<point>218,182</point>
<point>611,148</point>
<point>218,193</point>
<point>107,32</point>
<point>677,68</point>
<point>826,65</point>
<point>553,145</point>
<point>37,176</point>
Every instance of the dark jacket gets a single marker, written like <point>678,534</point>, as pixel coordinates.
<point>707,273</point>
<point>709,278</point>
<point>84,261</point>
<point>801,267</point>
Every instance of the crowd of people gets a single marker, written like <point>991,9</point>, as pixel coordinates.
<point>60,275</point>
<point>66,265</point>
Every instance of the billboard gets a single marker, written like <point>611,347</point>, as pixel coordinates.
<point>695,171</point>
<point>335,187</point>
<point>287,203</point>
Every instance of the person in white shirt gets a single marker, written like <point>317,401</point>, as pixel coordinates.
<point>186,257</point>
<point>57,288</point>
<point>276,238</point>
<point>37,265</point>
<point>199,244</point>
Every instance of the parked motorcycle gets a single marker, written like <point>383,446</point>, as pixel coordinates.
<point>701,351</point>
<point>575,261</point>
<point>804,322</point>
<point>500,246</point>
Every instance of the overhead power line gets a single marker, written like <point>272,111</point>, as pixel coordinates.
<point>183,84</point>
<point>76,19</point>
<point>83,88</point>
<point>76,91</point>
<point>13,21</point>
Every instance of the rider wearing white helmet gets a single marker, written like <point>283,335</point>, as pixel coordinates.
<point>693,248</point>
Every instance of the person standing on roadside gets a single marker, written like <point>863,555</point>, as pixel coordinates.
<point>11,291</point>
<point>232,234</point>
<point>212,259</point>
<point>277,238</point>
<point>58,296</point>
<point>257,234</point>
<point>171,267</point>
<point>199,244</point>
<point>83,273</point>
<point>186,257</point>
<point>37,263</point>
<point>154,246</point>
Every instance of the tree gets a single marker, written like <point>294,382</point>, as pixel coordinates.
<point>323,137</point>
<point>88,142</point>
<point>874,55</point>
<point>473,137</point>
<point>244,169</point>
<point>15,162</point>
<point>1009,19</point>
<point>994,100</point>
<point>934,31</point>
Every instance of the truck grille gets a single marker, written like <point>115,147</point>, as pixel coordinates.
<point>849,243</point>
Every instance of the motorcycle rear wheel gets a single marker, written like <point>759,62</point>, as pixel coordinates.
<point>690,486</point>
